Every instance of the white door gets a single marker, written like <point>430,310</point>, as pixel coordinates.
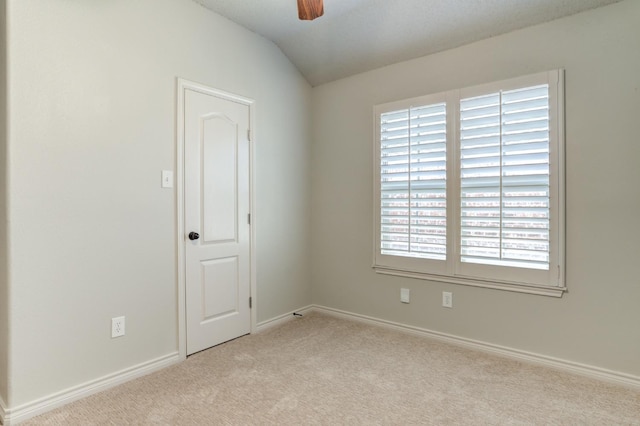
<point>216,219</point>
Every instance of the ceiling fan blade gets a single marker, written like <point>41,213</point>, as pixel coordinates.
<point>308,10</point>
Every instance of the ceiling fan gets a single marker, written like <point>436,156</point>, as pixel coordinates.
<point>308,10</point>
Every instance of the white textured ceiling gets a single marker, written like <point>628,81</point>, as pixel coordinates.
<point>355,36</point>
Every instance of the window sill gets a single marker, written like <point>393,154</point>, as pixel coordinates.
<point>519,288</point>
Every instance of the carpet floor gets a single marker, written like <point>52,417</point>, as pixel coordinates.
<point>321,370</point>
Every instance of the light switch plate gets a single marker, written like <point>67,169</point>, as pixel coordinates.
<point>167,179</point>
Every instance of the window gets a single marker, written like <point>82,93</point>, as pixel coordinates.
<point>469,186</point>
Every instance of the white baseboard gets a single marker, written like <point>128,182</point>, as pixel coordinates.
<point>34,408</point>
<point>585,370</point>
<point>280,319</point>
<point>58,399</point>
<point>23,412</point>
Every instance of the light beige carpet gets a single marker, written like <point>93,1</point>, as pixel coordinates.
<point>323,370</point>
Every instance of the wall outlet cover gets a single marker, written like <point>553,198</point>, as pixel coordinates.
<point>117,327</point>
<point>447,299</point>
<point>405,295</point>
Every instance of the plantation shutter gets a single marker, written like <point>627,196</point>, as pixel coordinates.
<point>413,182</point>
<point>504,178</point>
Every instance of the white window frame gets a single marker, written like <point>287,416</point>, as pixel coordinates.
<point>452,270</point>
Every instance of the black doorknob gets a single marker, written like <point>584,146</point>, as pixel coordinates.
<point>193,236</point>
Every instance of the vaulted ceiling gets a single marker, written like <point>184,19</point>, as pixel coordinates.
<point>355,36</point>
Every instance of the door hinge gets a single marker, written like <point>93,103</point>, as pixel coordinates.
<point>250,303</point>
<point>249,135</point>
<point>249,219</point>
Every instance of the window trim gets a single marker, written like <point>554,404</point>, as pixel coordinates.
<point>453,270</point>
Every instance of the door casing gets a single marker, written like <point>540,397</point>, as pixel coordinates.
<point>181,236</point>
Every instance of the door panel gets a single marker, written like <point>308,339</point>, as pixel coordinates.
<point>216,190</point>
<point>219,161</point>
<point>220,288</point>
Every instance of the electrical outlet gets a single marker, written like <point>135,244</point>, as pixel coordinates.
<point>447,299</point>
<point>117,327</point>
<point>405,295</point>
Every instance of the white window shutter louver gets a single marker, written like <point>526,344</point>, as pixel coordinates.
<point>413,182</point>
<point>504,178</point>
<point>469,185</point>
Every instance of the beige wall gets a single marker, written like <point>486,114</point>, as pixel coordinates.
<point>4,273</point>
<point>596,322</point>
<point>92,101</point>
<point>92,117</point>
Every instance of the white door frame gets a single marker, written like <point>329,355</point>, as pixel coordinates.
<point>183,85</point>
